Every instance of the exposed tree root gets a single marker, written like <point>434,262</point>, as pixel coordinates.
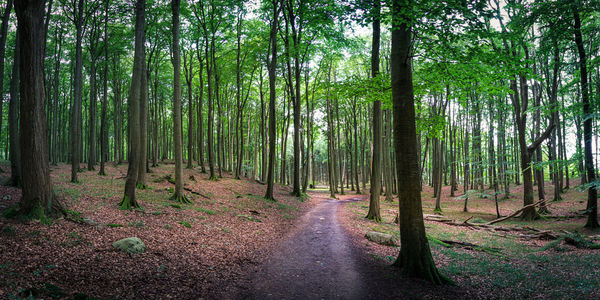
<point>127,204</point>
<point>180,199</point>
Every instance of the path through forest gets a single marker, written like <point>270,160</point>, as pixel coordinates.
<point>316,262</point>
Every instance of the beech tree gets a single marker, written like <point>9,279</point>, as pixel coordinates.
<point>135,93</point>
<point>415,256</point>
<point>38,200</point>
<point>177,137</point>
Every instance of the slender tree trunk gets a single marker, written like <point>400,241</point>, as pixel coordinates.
<point>592,221</point>
<point>103,124</point>
<point>272,65</point>
<point>78,87</point>
<point>177,136</point>
<point>374,211</point>
<point>3,32</point>
<point>143,111</point>
<point>13,117</point>
<point>54,150</point>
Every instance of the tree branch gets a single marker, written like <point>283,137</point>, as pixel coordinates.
<point>531,148</point>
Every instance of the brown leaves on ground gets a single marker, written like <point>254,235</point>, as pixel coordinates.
<point>524,268</point>
<point>194,250</point>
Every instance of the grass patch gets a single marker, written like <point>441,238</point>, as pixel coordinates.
<point>205,210</point>
<point>186,224</point>
<point>114,225</point>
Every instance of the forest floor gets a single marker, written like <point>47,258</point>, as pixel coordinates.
<point>231,243</point>
<point>196,250</point>
<point>500,265</point>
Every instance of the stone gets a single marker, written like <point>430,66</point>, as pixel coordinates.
<point>381,238</point>
<point>132,245</point>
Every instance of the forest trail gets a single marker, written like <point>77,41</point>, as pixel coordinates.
<point>317,261</point>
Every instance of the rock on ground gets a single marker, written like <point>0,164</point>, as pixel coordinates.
<point>130,245</point>
<point>381,238</point>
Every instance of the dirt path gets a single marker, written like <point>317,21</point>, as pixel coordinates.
<point>318,261</point>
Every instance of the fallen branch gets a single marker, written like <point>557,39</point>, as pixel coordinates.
<point>196,193</point>
<point>515,213</point>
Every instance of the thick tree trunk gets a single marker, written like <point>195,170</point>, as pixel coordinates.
<point>415,256</point>
<point>38,200</point>
<point>135,93</point>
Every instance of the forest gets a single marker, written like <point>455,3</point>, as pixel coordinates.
<point>299,149</point>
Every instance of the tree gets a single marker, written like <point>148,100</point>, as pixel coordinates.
<point>177,136</point>
<point>103,121</point>
<point>135,93</point>
<point>592,221</point>
<point>415,256</point>
<point>13,117</point>
<point>38,200</point>
<point>374,211</point>
<point>78,90</point>
<point>271,66</point>
<point>3,32</point>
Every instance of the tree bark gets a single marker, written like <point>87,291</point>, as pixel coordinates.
<point>177,136</point>
<point>415,256</point>
<point>13,118</point>
<point>272,65</point>
<point>78,89</point>
<point>374,211</point>
<point>38,200</point>
<point>592,221</point>
<point>135,93</point>
<point>3,32</point>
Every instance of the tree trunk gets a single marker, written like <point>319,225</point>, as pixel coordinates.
<point>272,65</point>
<point>13,118</point>
<point>374,211</point>
<point>177,136</point>
<point>54,150</point>
<point>38,200</point>
<point>415,256</point>
<point>3,32</point>
<point>78,88</point>
<point>135,93</point>
<point>143,111</point>
<point>592,221</point>
<point>103,124</point>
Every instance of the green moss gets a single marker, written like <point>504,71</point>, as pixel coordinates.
<point>126,204</point>
<point>186,224</point>
<point>180,199</point>
<point>114,225</point>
